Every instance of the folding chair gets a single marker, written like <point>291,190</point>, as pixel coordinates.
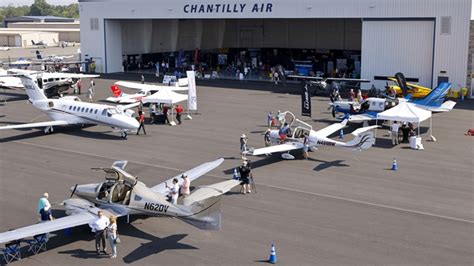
<point>37,244</point>
<point>11,251</point>
<point>251,183</point>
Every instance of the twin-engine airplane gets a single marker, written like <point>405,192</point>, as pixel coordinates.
<point>144,90</point>
<point>53,84</point>
<point>70,110</point>
<point>121,194</point>
<point>363,138</point>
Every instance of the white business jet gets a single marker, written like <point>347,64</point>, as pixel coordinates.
<point>121,194</point>
<point>294,139</point>
<point>144,90</point>
<point>70,110</point>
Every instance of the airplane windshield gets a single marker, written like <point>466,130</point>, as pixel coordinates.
<point>112,111</point>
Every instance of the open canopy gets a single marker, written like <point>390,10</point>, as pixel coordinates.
<point>405,112</point>
<point>166,97</point>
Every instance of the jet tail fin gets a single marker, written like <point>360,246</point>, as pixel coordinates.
<point>32,89</point>
<point>437,96</point>
<point>117,92</point>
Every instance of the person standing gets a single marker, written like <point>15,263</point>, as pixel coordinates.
<point>43,202</point>
<point>165,114</point>
<point>143,79</point>
<point>244,171</point>
<point>243,145</point>
<point>179,111</point>
<point>305,146</point>
<point>152,111</point>
<point>269,119</point>
<point>359,96</point>
<point>90,91</point>
<point>394,132</point>
<point>185,186</point>
<point>78,86</point>
<point>141,120</point>
<point>112,236</point>
<point>174,191</point>
<point>351,95</point>
<point>98,227</point>
<point>43,205</point>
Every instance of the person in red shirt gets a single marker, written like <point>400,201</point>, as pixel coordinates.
<point>141,120</point>
<point>165,114</point>
<point>179,111</point>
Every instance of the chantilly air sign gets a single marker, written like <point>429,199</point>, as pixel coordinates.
<point>228,8</point>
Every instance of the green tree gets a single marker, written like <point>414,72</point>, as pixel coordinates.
<point>40,8</point>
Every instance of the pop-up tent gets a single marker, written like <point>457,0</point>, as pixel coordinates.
<point>406,112</point>
<point>166,97</point>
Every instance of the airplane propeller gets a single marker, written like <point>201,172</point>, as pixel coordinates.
<point>74,190</point>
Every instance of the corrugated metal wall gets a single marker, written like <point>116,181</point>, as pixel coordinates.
<point>395,46</point>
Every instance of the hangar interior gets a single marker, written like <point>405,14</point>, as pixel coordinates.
<point>343,47</point>
<point>250,41</point>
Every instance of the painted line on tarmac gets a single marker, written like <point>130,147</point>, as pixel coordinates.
<point>270,186</point>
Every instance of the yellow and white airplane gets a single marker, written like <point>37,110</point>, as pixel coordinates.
<point>403,87</point>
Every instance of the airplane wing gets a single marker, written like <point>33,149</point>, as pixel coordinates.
<point>278,148</point>
<point>205,192</point>
<point>348,80</point>
<point>361,118</point>
<point>331,129</point>
<point>361,130</point>
<point>40,124</point>
<point>148,87</point>
<point>445,107</point>
<point>122,100</point>
<point>192,175</point>
<point>46,227</point>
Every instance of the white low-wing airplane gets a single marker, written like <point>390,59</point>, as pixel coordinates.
<point>70,110</point>
<point>144,91</point>
<point>363,138</point>
<point>121,194</point>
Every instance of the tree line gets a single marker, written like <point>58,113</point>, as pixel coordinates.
<point>40,8</point>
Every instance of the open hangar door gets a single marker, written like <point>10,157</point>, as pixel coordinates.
<point>391,46</point>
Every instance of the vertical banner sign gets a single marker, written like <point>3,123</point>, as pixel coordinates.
<point>192,98</point>
<point>305,100</point>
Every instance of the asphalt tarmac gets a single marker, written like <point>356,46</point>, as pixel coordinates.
<point>340,207</point>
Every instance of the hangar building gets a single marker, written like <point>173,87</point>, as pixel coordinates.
<point>425,39</point>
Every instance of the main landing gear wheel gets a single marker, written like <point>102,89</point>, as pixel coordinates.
<point>124,135</point>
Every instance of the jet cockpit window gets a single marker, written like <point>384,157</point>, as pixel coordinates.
<point>112,111</point>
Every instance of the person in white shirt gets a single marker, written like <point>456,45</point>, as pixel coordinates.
<point>174,191</point>
<point>98,227</point>
<point>394,132</point>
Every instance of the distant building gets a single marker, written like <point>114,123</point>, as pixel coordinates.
<point>43,19</point>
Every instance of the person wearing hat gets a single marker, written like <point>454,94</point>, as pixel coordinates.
<point>243,144</point>
<point>184,188</point>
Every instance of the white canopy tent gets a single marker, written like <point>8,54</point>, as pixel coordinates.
<point>166,97</point>
<point>406,112</point>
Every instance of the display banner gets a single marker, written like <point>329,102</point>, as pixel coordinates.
<point>305,100</point>
<point>192,97</point>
